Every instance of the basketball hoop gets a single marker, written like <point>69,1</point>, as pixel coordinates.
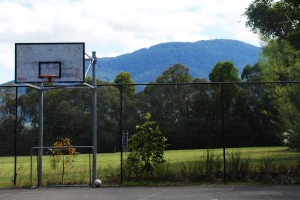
<point>49,77</point>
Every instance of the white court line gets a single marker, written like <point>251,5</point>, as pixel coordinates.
<point>295,194</point>
<point>153,195</point>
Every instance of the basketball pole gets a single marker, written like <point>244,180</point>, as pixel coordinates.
<point>40,163</point>
<point>94,113</point>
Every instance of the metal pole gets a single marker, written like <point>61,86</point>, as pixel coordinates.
<point>94,113</point>
<point>40,135</point>
<point>31,168</point>
<point>121,110</point>
<point>16,137</point>
<point>223,128</point>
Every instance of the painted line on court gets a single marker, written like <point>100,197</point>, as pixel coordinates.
<point>215,192</point>
<point>189,196</point>
<point>224,191</point>
<point>295,194</point>
<point>153,195</point>
<point>4,196</point>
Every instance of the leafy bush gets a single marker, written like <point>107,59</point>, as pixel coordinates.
<point>147,149</point>
<point>64,155</point>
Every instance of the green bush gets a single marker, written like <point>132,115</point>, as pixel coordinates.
<point>147,149</point>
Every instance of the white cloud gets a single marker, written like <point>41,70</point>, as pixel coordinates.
<point>113,54</point>
<point>133,24</point>
<point>7,56</point>
<point>7,60</point>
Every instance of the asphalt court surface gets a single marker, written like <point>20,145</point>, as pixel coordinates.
<point>199,192</point>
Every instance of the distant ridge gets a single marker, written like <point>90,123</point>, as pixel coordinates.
<point>201,56</point>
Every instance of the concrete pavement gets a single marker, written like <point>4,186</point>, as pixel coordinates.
<point>199,192</point>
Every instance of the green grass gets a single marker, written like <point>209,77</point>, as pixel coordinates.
<point>253,153</point>
<point>180,164</point>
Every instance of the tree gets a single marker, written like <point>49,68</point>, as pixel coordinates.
<point>280,62</point>
<point>175,97</point>
<point>89,80</point>
<point>224,72</point>
<point>251,73</point>
<point>124,77</point>
<point>276,19</point>
<point>170,105</point>
<point>7,120</point>
<point>177,73</point>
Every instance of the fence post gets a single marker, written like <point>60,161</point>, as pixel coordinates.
<point>121,110</point>
<point>94,114</point>
<point>223,128</point>
<point>40,162</point>
<point>16,137</point>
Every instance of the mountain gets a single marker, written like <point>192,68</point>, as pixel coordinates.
<point>201,56</point>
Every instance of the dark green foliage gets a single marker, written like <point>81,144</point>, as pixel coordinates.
<point>280,62</point>
<point>275,18</point>
<point>251,73</point>
<point>190,115</point>
<point>177,73</point>
<point>67,113</point>
<point>224,72</point>
<point>124,77</point>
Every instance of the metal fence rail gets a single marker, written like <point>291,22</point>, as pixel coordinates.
<point>228,120</point>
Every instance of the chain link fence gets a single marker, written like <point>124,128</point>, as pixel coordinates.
<point>216,132</point>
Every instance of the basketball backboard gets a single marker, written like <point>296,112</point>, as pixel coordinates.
<point>65,60</point>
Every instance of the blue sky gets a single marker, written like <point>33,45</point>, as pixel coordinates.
<point>115,27</point>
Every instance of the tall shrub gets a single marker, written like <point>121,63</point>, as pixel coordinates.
<point>147,147</point>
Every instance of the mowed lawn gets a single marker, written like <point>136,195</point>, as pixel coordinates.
<point>79,169</point>
<point>253,153</point>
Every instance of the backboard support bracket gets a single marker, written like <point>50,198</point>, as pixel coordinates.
<point>33,86</point>
<point>63,87</point>
<point>91,59</point>
<point>86,84</point>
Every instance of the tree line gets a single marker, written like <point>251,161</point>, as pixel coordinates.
<point>189,114</point>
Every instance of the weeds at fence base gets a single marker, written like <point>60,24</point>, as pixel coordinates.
<point>206,169</point>
<point>209,169</point>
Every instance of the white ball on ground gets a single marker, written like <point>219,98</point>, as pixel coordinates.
<point>97,182</point>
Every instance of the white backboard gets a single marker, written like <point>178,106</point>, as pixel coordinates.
<point>66,60</point>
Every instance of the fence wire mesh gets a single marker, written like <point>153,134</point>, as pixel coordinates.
<point>216,132</point>
<point>7,135</point>
<point>63,166</point>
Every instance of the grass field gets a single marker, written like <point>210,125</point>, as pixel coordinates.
<point>108,164</point>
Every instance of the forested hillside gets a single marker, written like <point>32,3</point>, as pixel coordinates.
<point>146,64</point>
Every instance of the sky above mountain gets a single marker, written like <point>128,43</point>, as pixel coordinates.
<point>116,27</point>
